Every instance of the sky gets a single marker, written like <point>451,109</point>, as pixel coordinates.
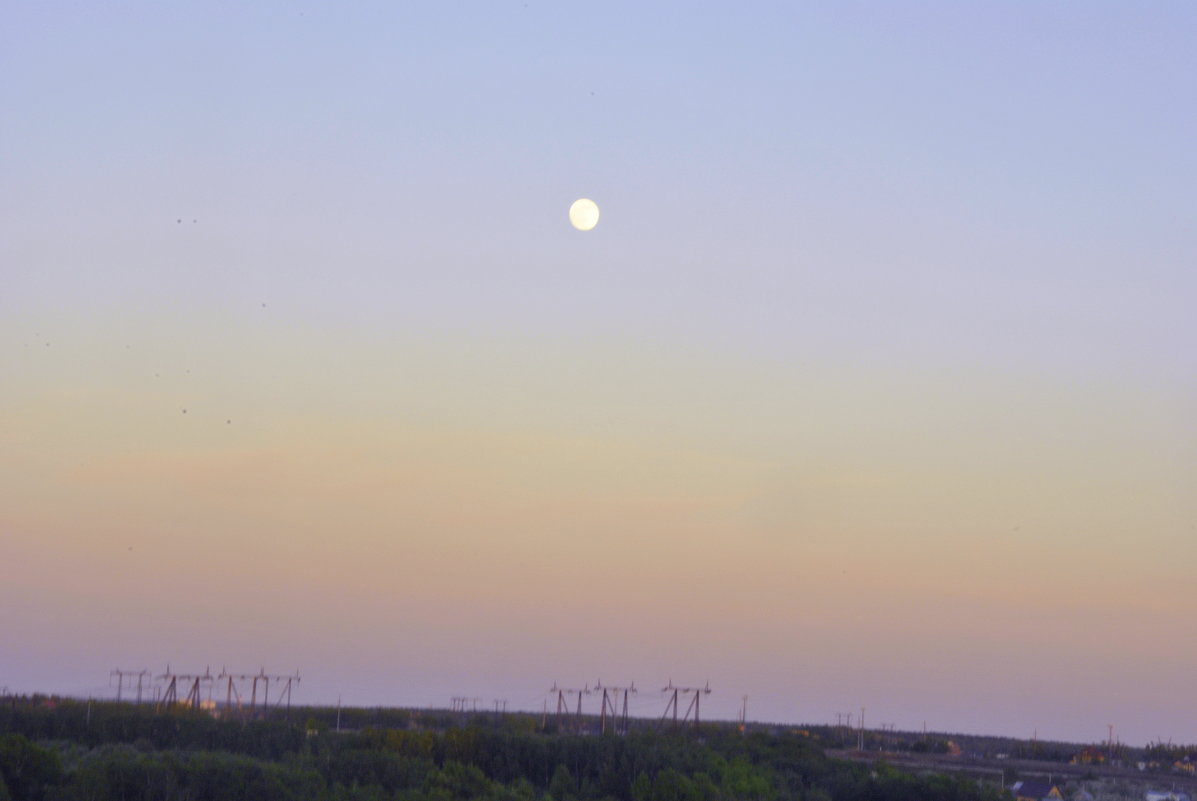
<point>875,385</point>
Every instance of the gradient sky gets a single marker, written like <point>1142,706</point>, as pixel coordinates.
<point>876,384</point>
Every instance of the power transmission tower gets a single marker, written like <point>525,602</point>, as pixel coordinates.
<point>168,694</point>
<point>693,706</point>
<point>284,683</point>
<point>671,702</point>
<point>253,693</point>
<point>171,696</point>
<point>193,695</point>
<point>563,707</point>
<point>610,698</point>
<point>232,690</point>
<point>631,688</point>
<point>121,675</point>
<point>464,703</point>
<point>607,704</point>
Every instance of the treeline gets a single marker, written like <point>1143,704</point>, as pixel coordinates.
<point>121,752</point>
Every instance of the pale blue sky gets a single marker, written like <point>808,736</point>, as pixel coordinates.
<point>839,242</point>
<point>992,171</point>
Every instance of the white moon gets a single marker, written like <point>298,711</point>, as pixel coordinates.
<point>584,214</point>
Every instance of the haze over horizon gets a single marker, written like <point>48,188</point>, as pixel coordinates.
<point>876,384</point>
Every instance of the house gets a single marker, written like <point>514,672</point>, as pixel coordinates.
<point>1037,791</point>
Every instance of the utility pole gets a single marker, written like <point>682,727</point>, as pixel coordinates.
<point>860,737</point>
<point>743,712</point>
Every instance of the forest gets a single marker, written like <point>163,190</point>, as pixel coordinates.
<point>52,750</point>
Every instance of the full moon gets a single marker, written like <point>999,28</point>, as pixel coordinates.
<point>583,214</point>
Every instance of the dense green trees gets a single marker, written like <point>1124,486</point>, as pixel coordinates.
<point>122,752</point>
<point>26,768</point>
